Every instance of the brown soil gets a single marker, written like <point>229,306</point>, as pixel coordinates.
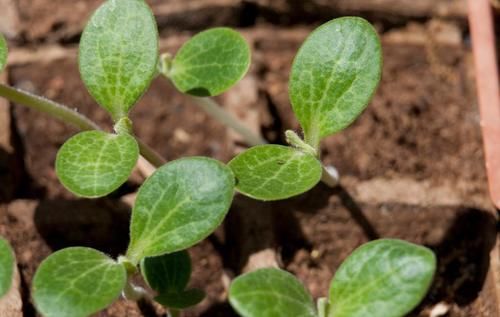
<point>412,167</point>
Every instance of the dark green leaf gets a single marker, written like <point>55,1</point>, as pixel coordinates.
<point>211,62</point>
<point>94,163</point>
<point>182,203</point>
<point>7,263</point>
<point>181,300</point>
<point>168,273</point>
<point>272,172</point>
<point>270,293</point>
<point>383,278</point>
<point>119,54</point>
<point>334,76</point>
<point>77,282</point>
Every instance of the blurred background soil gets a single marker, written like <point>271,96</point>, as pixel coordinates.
<point>412,165</point>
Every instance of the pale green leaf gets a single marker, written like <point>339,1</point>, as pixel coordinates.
<point>211,62</point>
<point>270,293</point>
<point>334,76</point>
<point>77,282</point>
<point>3,52</point>
<point>272,172</point>
<point>168,272</point>
<point>7,263</point>
<point>383,278</point>
<point>182,203</point>
<point>95,163</point>
<point>119,54</point>
<point>181,300</point>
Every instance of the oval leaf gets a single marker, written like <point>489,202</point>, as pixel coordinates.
<point>383,278</point>
<point>119,54</point>
<point>3,52</point>
<point>270,293</point>
<point>94,163</point>
<point>273,172</point>
<point>181,300</point>
<point>77,282</point>
<point>168,272</point>
<point>182,203</point>
<point>211,62</point>
<point>334,76</point>
<point>7,263</point>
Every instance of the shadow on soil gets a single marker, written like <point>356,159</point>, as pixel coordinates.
<point>102,224</point>
<point>464,257</point>
<point>252,226</point>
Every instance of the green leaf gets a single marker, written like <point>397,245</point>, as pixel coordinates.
<point>168,272</point>
<point>77,282</point>
<point>181,300</point>
<point>3,52</point>
<point>95,163</point>
<point>182,203</point>
<point>270,293</point>
<point>383,278</point>
<point>210,63</point>
<point>119,54</point>
<point>7,263</point>
<point>334,76</point>
<point>273,172</point>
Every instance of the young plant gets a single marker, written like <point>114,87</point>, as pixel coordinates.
<point>118,59</point>
<point>7,264</point>
<point>382,278</point>
<point>178,206</point>
<point>333,77</point>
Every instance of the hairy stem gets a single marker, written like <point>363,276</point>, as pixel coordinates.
<point>56,110</point>
<point>174,312</point>
<point>217,112</point>
<point>68,115</point>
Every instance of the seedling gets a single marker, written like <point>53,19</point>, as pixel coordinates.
<point>333,77</point>
<point>383,278</point>
<point>7,264</point>
<point>178,206</point>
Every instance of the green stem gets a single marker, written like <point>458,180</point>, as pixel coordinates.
<point>150,155</point>
<point>217,112</point>
<point>68,115</point>
<point>56,110</point>
<point>322,305</point>
<point>174,312</point>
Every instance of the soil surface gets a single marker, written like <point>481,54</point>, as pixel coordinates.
<point>411,165</point>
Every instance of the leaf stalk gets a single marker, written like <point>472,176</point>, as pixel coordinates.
<point>68,115</point>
